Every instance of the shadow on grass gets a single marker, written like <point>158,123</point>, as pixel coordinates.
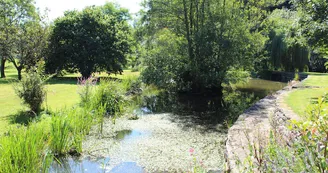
<point>7,81</point>
<point>21,117</point>
<point>74,80</point>
<point>62,80</point>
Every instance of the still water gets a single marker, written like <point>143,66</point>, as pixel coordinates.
<point>207,111</point>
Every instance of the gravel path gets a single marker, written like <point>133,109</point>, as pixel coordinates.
<point>159,143</point>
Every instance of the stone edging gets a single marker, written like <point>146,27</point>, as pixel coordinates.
<point>255,124</point>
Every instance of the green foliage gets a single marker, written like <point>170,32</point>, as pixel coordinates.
<point>314,133</point>
<point>166,63</point>
<point>110,95</point>
<point>31,90</point>
<point>304,151</point>
<point>296,76</point>
<point>86,89</point>
<point>23,33</point>
<point>93,40</point>
<point>193,43</point>
<point>31,148</point>
<point>314,23</point>
<point>60,135</point>
<point>131,84</point>
<point>68,129</point>
<point>24,149</point>
<point>273,157</point>
<point>287,50</point>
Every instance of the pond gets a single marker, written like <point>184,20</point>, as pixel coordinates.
<point>168,126</point>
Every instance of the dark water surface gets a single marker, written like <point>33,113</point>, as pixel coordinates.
<point>210,109</point>
<point>207,110</point>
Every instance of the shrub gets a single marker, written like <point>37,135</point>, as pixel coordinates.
<point>297,76</point>
<point>32,91</point>
<point>305,151</point>
<point>110,95</point>
<point>132,84</point>
<point>313,136</point>
<point>306,68</point>
<point>86,87</point>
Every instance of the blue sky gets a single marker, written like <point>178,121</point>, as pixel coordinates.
<point>57,7</point>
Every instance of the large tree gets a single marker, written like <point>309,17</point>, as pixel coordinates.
<point>29,45</point>
<point>93,40</point>
<point>13,13</point>
<point>212,38</point>
<point>314,22</point>
<point>287,50</point>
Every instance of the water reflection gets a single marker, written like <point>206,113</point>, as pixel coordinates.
<point>127,167</point>
<point>74,165</point>
<point>260,87</point>
<point>126,135</point>
<point>209,110</point>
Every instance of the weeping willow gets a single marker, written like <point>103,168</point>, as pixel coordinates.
<point>288,57</point>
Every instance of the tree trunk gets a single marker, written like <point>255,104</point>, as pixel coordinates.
<point>3,63</point>
<point>188,36</point>
<point>86,74</point>
<point>19,72</point>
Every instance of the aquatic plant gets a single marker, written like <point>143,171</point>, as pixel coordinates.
<point>68,128</point>
<point>24,149</point>
<point>109,94</point>
<point>60,135</point>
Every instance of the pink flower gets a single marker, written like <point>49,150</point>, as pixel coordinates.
<point>191,151</point>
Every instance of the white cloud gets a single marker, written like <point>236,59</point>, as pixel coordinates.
<point>57,7</point>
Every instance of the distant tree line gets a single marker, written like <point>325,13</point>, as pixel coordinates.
<point>185,45</point>
<point>95,39</point>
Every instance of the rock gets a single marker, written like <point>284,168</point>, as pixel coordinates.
<point>252,129</point>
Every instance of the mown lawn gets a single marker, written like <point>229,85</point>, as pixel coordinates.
<point>61,93</point>
<point>299,100</point>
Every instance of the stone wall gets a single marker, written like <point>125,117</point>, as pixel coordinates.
<point>253,127</point>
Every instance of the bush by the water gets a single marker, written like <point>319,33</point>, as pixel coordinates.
<point>31,90</point>
<point>86,89</point>
<point>31,148</point>
<point>305,150</point>
<point>110,95</point>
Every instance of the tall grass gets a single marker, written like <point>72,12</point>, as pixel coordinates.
<point>24,149</point>
<point>60,135</point>
<point>68,129</point>
<point>32,148</point>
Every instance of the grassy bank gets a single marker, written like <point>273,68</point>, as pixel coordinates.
<point>32,147</point>
<point>298,100</point>
<point>302,145</point>
<point>61,93</point>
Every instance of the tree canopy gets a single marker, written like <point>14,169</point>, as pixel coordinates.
<point>314,20</point>
<point>208,39</point>
<point>15,16</point>
<point>93,40</point>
